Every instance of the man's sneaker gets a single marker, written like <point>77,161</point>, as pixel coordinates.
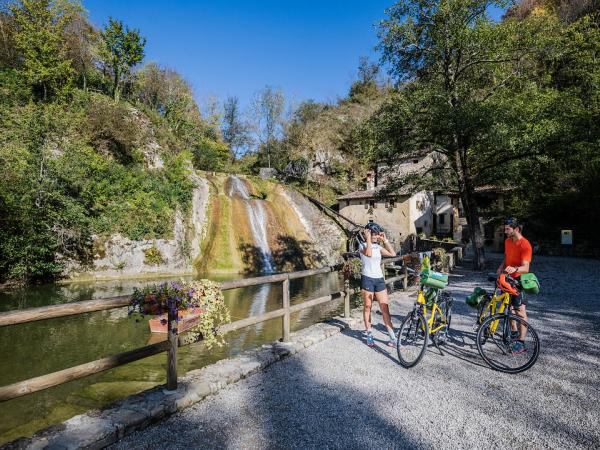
<point>518,347</point>
<point>370,340</point>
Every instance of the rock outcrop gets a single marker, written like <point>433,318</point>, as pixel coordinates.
<point>327,237</point>
<point>118,256</point>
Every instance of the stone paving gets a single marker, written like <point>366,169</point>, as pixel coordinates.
<point>342,394</point>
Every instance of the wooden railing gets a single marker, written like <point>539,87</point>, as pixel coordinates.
<point>173,341</point>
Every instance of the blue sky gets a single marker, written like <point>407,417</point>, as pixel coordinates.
<point>308,48</point>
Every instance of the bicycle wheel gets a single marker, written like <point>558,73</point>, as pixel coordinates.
<point>412,339</point>
<point>496,344</point>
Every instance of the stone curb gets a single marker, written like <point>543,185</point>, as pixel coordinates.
<point>100,428</point>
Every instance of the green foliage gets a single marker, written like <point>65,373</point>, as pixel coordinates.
<point>210,155</point>
<point>81,164</point>
<point>153,256</point>
<point>210,298</point>
<point>122,49</point>
<point>60,187</point>
<point>39,27</point>
<point>168,94</point>
<point>351,269</point>
<point>478,94</point>
<point>235,130</point>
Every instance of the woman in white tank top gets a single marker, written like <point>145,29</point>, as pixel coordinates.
<point>372,282</point>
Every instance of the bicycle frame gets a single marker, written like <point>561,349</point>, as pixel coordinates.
<point>430,318</point>
<point>498,304</point>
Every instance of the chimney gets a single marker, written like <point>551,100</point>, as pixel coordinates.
<point>370,180</point>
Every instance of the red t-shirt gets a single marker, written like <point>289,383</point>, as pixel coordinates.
<point>517,252</point>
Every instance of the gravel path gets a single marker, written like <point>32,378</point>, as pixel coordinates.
<point>341,394</point>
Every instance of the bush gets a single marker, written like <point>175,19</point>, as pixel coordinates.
<point>439,259</point>
<point>57,189</point>
<point>153,256</point>
<point>210,155</point>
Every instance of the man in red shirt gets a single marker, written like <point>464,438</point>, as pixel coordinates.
<point>517,257</point>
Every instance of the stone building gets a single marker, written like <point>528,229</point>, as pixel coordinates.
<point>405,212</point>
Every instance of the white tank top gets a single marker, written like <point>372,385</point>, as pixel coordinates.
<point>371,266</point>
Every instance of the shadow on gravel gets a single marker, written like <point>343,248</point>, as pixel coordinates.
<point>388,352</point>
<point>286,407</point>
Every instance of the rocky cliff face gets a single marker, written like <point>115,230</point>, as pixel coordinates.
<point>328,238</point>
<point>117,256</point>
<point>216,236</point>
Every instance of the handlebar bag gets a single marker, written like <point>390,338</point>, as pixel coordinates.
<point>530,283</point>
<point>474,299</point>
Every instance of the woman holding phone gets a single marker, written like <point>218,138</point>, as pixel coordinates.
<point>372,283</point>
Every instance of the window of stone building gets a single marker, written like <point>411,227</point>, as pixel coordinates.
<point>372,204</point>
<point>442,218</point>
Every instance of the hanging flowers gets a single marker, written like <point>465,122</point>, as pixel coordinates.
<point>202,298</point>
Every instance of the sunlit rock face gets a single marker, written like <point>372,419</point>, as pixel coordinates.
<point>258,226</point>
<point>235,225</point>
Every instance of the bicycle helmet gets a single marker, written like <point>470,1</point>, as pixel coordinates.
<point>513,222</point>
<point>506,286</point>
<point>374,228</point>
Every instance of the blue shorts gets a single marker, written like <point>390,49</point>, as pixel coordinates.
<point>372,284</point>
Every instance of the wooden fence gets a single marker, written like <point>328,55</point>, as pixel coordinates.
<point>173,341</point>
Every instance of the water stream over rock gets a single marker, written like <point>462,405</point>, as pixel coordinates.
<point>258,221</point>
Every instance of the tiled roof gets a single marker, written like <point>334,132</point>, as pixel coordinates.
<point>373,193</point>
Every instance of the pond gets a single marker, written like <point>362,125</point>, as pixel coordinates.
<point>37,348</point>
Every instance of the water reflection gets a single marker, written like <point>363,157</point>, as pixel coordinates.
<point>37,348</point>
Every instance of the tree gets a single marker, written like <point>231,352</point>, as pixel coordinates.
<point>38,35</point>
<point>80,40</point>
<point>171,96</point>
<point>267,109</point>
<point>235,131</point>
<point>366,85</point>
<point>8,57</point>
<point>211,113</point>
<point>463,94</point>
<point>123,49</point>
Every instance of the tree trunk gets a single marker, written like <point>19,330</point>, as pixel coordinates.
<point>474,226</point>
<point>467,197</point>
<point>116,86</point>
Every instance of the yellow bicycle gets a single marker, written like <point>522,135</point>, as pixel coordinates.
<point>429,319</point>
<point>499,330</point>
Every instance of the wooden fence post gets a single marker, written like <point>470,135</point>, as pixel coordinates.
<point>286,306</point>
<point>172,351</point>
<point>405,279</point>
<point>347,299</point>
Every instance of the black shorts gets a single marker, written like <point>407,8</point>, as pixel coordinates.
<point>372,284</point>
<point>517,300</point>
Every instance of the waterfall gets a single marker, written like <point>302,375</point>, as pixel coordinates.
<point>258,221</point>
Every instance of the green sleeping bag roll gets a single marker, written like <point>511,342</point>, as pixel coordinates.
<point>432,274</point>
